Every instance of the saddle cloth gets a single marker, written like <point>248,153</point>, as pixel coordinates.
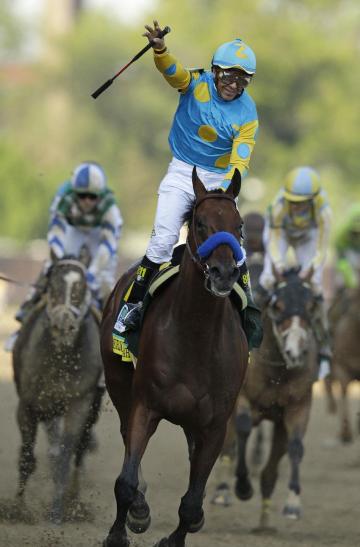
<point>126,344</point>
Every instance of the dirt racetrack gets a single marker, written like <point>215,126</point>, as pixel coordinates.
<point>330,481</point>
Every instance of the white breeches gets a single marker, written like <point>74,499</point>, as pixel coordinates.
<point>176,196</point>
<point>304,252</point>
<point>75,239</point>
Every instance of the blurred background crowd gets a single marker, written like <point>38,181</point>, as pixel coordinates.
<point>55,53</point>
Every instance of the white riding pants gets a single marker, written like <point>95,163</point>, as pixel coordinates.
<point>176,196</point>
<point>304,253</point>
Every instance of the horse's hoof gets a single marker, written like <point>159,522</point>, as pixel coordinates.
<point>222,496</point>
<point>243,489</point>
<point>136,525</point>
<point>197,526</point>
<point>291,512</point>
<point>138,518</point>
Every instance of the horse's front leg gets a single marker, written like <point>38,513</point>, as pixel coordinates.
<point>208,445</point>
<point>142,424</point>
<point>243,487</point>
<point>28,427</point>
<point>269,474</point>
<point>296,420</point>
<point>74,421</point>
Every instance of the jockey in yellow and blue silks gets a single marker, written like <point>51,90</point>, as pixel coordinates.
<point>300,218</point>
<point>214,128</point>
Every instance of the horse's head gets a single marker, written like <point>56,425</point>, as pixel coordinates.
<point>215,233</point>
<point>68,299</point>
<point>290,309</point>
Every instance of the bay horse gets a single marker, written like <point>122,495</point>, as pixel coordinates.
<point>278,388</point>
<point>57,365</point>
<point>192,359</point>
<point>345,366</point>
<point>224,470</point>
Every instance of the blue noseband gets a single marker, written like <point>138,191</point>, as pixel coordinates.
<point>222,238</point>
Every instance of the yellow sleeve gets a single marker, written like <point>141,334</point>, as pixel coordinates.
<point>174,73</point>
<point>242,148</point>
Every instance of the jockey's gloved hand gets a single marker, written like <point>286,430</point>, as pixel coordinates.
<point>152,35</point>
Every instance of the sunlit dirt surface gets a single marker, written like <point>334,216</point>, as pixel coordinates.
<point>330,482</point>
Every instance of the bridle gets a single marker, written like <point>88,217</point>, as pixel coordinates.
<point>78,312</point>
<point>195,257</point>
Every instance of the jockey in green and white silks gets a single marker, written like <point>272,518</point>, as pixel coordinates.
<point>300,218</point>
<point>214,128</point>
<point>84,212</point>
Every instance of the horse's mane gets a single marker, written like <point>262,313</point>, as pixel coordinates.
<point>188,215</point>
<point>291,274</point>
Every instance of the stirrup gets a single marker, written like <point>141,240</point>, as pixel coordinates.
<point>129,317</point>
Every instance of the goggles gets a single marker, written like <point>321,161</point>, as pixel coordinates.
<point>88,195</point>
<point>240,77</point>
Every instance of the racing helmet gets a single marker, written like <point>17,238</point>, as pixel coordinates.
<point>235,54</point>
<point>88,177</point>
<point>301,184</point>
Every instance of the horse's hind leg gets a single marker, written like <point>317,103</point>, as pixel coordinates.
<point>74,422</point>
<point>27,463</point>
<point>141,427</point>
<point>269,474</point>
<point>207,448</point>
<point>243,488</point>
<point>224,467</point>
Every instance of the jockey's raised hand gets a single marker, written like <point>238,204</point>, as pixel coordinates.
<point>152,35</point>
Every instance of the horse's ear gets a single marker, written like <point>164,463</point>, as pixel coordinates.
<point>84,255</point>
<point>53,257</point>
<point>199,188</point>
<point>235,185</point>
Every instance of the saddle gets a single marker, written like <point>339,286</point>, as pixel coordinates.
<point>126,344</point>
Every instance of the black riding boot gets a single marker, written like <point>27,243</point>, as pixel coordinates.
<point>34,296</point>
<point>130,314</point>
<point>251,315</point>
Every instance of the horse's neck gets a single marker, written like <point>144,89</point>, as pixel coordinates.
<point>269,349</point>
<point>192,300</point>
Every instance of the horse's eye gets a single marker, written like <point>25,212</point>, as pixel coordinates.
<point>200,225</point>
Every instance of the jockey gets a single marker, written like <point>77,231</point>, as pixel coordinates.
<point>83,213</point>
<point>214,128</point>
<point>299,218</point>
<point>347,244</point>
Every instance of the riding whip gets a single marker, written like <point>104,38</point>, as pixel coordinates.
<point>107,84</point>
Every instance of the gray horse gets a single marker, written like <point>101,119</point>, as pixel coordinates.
<point>57,366</point>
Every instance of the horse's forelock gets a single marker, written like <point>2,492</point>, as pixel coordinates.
<point>189,213</point>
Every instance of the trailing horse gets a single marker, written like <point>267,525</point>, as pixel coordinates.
<point>57,365</point>
<point>278,388</point>
<point>224,470</point>
<point>345,366</point>
<point>191,363</point>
